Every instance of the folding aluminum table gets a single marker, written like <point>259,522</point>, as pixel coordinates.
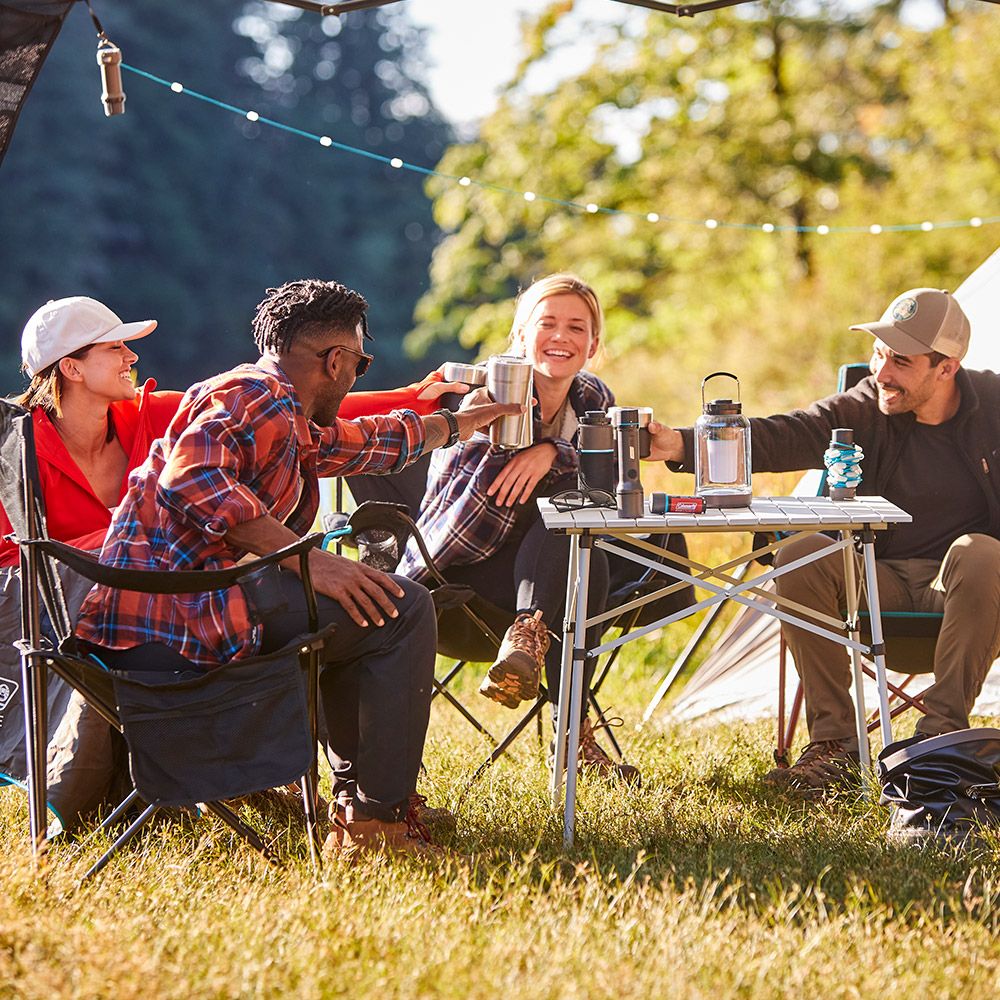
<point>787,517</point>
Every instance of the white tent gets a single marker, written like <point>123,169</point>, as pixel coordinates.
<point>739,678</point>
<point>979,296</point>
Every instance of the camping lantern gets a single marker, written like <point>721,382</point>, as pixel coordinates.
<point>722,450</point>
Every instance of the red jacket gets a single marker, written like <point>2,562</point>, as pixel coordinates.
<point>367,404</point>
<point>74,512</point>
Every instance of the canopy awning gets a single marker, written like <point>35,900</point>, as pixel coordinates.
<point>27,30</point>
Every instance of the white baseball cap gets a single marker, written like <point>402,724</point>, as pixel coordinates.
<point>63,326</point>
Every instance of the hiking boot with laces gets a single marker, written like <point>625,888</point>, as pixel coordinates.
<point>354,834</point>
<point>592,755</point>
<point>823,766</point>
<point>437,819</point>
<point>515,675</point>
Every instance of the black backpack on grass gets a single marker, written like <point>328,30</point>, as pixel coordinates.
<point>942,788</point>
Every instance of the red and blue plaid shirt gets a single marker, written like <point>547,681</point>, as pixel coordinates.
<point>460,523</point>
<point>239,448</point>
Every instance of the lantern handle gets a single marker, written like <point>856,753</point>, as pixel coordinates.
<point>716,375</point>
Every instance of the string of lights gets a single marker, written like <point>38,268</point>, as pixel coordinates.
<point>586,208</point>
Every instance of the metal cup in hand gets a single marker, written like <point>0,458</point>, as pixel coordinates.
<point>645,416</point>
<point>509,380</point>
<point>471,375</point>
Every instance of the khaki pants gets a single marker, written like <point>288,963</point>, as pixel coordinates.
<point>965,587</point>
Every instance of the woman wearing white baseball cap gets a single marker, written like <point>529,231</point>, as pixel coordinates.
<point>92,426</point>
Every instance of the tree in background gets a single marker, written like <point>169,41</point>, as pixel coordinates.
<point>186,213</point>
<point>763,115</point>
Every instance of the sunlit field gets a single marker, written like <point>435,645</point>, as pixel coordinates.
<point>702,884</point>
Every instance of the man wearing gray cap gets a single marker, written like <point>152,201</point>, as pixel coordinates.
<point>930,431</point>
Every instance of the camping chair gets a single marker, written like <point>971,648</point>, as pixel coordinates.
<point>469,627</point>
<point>910,638</point>
<point>195,738</point>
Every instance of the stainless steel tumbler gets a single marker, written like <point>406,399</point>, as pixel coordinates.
<point>509,380</point>
<point>472,375</point>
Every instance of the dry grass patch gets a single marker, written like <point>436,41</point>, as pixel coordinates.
<point>704,885</point>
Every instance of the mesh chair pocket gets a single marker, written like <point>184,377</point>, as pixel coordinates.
<point>240,728</point>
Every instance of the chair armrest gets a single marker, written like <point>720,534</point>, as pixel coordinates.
<point>147,581</point>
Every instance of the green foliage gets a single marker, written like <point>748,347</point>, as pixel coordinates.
<point>760,115</point>
<point>186,213</point>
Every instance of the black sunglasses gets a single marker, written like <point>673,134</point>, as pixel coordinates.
<point>364,360</point>
<point>570,500</point>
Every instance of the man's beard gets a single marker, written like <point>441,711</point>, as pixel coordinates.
<point>327,406</point>
<point>905,400</point>
<point>889,407</point>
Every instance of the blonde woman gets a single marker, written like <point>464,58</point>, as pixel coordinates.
<point>479,517</point>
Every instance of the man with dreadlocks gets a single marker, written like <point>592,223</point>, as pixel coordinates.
<point>236,473</point>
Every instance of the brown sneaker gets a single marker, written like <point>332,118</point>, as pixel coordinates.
<point>438,820</point>
<point>822,767</point>
<point>592,754</point>
<point>515,675</point>
<point>354,834</point>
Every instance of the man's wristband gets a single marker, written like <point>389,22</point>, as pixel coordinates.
<point>452,421</point>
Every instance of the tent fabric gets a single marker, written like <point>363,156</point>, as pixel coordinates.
<point>979,296</point>
<point>739,678</point>
<point>27,30</point>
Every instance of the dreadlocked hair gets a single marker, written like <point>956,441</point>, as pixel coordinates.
<point>288,311</point>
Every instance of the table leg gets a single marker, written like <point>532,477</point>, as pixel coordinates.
<point>565,673</point>
<point>860,713</point>
<point>576,689</point>
<point>878,643</point>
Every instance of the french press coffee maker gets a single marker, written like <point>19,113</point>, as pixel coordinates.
<point>722,450</point>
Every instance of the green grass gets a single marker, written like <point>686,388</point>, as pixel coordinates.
<point>704,884</point>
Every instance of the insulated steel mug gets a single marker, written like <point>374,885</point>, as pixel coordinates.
<point>509,380</point>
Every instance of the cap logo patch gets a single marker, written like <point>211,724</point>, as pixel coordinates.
<point>904,309</point>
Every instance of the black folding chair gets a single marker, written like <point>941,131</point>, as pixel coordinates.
<point>194,737</point>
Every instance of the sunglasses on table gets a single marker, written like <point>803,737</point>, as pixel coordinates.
<point>570,500</point>
<point>364,360</point>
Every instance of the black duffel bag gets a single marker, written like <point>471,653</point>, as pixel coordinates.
<point>941,788</point>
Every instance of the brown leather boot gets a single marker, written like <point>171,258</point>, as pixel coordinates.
<point>354,833</point>
<point>592,755</point>
<point>824,766</point>
<point>440,821</point>
<point>515,675</point>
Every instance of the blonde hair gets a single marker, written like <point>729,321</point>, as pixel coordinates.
<point>545,288</point>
